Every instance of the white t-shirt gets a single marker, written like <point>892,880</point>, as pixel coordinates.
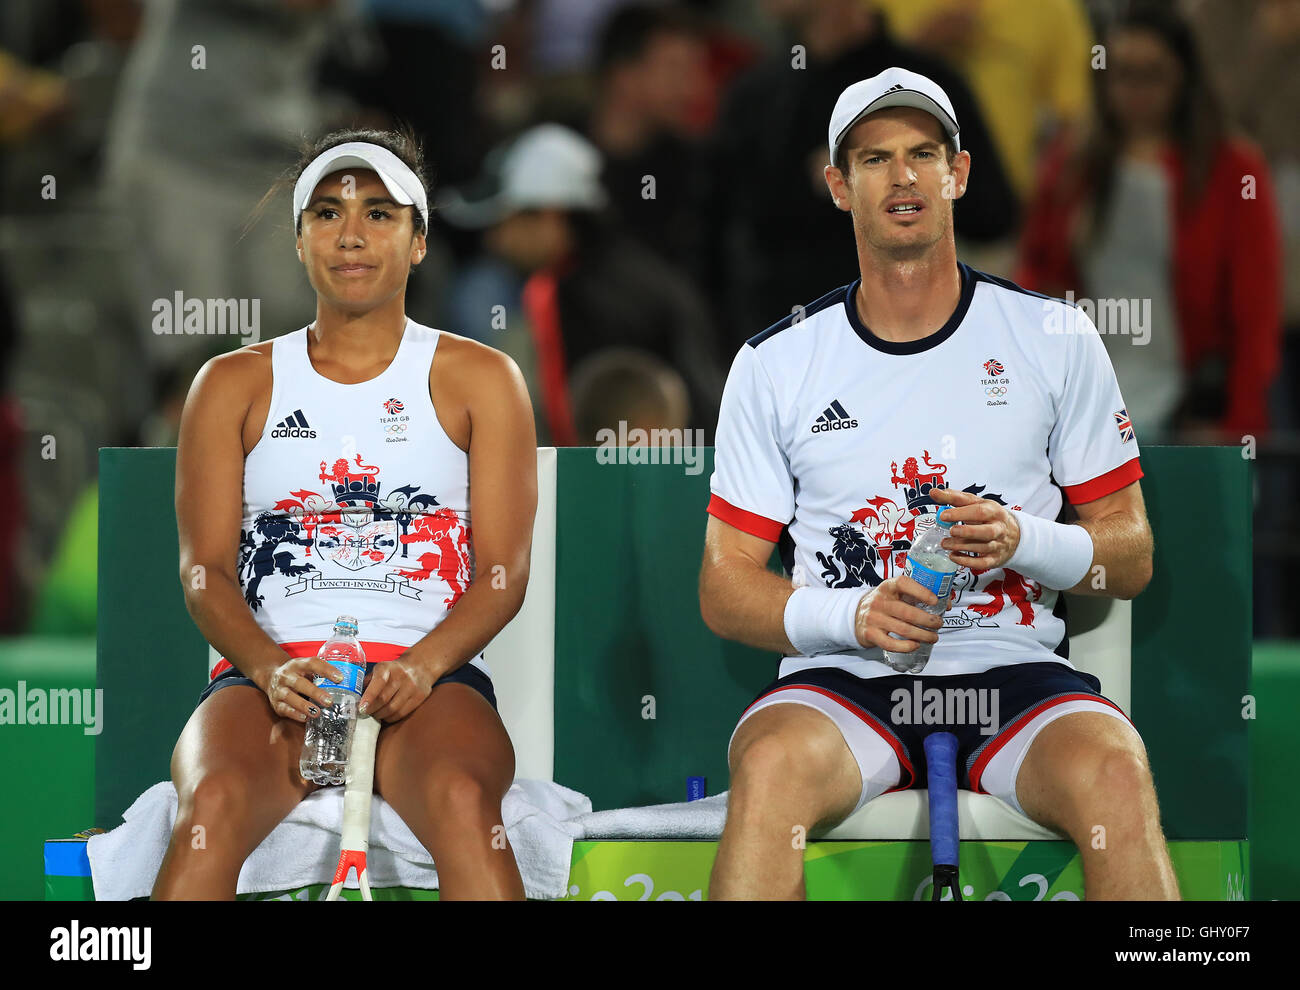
<point>830,439</point>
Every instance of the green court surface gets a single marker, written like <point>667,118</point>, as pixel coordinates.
<point>49,769</point>
<point>1275,802</point>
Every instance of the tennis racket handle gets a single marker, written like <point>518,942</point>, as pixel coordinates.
<point>359,785</point>
<point>945,833</point>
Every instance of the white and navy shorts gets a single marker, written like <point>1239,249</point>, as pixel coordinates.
<point>884,720</point>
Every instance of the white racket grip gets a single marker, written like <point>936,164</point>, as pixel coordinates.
<point>359,784</point>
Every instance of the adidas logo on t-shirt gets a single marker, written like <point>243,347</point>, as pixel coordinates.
<point>294,425</point>
<point>834,418</point>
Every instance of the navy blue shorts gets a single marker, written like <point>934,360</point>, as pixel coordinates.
<point>991,713</point>
<point>466,673</point>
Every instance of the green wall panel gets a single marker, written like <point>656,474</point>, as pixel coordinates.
<point>151,655</point>
<point>1192,639</point>
<point>628,626</point>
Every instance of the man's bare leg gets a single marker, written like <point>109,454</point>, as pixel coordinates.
<point>791,771</point>
<point>1086,774</point>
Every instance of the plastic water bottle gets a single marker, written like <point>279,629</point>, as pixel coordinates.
<point>929,565</point>
<point>329,735</point>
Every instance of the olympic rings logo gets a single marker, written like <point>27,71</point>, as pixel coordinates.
<point>996,390</point>
<point>395,428</point>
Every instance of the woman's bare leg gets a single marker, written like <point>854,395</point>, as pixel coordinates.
<point>235,768</point>
<point>445,768</point>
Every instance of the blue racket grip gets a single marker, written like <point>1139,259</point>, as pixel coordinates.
<point>941,757</point>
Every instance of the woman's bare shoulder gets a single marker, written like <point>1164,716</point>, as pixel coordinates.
<point>467,360</point>
<point>228,390</point>
<point>244,370</point>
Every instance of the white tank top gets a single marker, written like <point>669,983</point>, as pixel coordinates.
<point>356,502</point>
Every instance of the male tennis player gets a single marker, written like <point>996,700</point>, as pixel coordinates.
<point>843,429</point>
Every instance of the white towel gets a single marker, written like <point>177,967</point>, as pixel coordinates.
<point>702,819</point>
<point>303,849</point>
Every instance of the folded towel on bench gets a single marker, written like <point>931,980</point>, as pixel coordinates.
<point>701,819</point>
<point>303,849</point>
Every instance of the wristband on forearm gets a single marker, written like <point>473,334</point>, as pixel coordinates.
<point>1056,555</point>
<point>823,620</point>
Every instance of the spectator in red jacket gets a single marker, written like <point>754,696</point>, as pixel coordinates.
<point>1163,212</point>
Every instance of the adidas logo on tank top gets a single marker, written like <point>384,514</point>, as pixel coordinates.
<point>293,425</point>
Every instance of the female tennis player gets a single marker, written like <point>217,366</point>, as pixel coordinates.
<point>363,465</point>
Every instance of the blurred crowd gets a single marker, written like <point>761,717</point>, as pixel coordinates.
<point>626,191</point>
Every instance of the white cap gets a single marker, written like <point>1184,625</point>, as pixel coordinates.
<point>401,183</point>
<point>892,88</point>
<point>546,167</point>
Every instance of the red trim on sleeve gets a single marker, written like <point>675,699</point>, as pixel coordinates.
<point>375,653</point>
<point>749,522</point>
<point>1104,484</point>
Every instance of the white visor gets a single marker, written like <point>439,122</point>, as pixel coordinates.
<point>400,181</point>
